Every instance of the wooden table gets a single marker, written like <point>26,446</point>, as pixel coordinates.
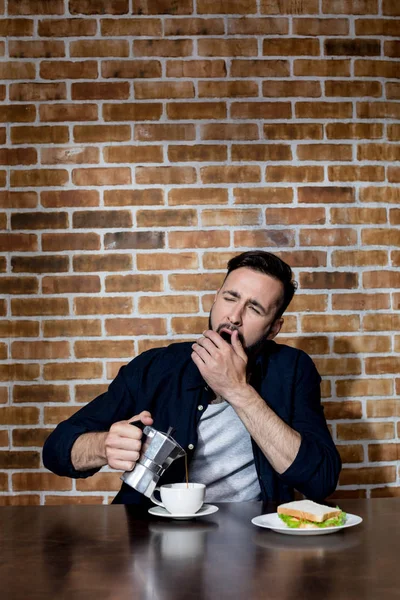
<point>114,553</point>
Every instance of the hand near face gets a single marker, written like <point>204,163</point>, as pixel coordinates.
<point>222,365</point>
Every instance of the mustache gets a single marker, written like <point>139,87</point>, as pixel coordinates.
<point>225,336</point>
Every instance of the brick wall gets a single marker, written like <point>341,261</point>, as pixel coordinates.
<point>142,144</point>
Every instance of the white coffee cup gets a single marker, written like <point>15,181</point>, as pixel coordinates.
<point>181,498</point>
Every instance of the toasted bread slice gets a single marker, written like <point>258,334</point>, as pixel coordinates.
<point>309,510</point>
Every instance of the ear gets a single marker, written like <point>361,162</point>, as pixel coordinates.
<point>275,328</point>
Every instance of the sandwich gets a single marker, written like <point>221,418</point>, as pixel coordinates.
<point>306,514</point>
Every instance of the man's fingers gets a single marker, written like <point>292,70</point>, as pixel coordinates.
<point>237,346</point>
<point>144,417</point>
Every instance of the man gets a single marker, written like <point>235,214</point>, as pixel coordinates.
<point>246,410</point>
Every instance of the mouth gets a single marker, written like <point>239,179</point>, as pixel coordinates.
<point>226,335</point>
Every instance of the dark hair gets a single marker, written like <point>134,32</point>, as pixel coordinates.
<point>271,265</point>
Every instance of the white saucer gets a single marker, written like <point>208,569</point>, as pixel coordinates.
<point>204,511</point>
<point>273,522</point>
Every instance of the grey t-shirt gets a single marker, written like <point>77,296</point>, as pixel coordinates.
<point>223,459</point>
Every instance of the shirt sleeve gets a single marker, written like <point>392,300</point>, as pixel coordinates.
<point>117,404</point>
<point>316,468</point>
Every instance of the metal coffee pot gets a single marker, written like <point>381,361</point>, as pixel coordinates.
<point>158,451</point>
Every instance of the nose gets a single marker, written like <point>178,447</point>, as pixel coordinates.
<point>235,315</point>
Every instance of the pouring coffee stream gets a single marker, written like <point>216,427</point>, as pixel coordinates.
<point>158,451</point>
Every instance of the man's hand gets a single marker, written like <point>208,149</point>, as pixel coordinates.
<point>222,365</point>
<point>123,442</point>
<point>119,447</point>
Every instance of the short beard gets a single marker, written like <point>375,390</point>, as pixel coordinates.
<point>253,350</point>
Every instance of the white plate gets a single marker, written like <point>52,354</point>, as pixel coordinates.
<point>273,522</point>
<point>204,511</point>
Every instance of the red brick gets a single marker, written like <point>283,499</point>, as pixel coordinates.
<point>141,239</point>
<point>378,110</point>
<point>296,89</point>
<point>100,482</point>
<point>131,27</point>
<point>71,284</point>
<point>55,414</point>
<point>338,131</point>
<point>357,89</point>
<point>369,431</point>
<point>19,328</point>
<point>383,452</point>
<point>196,68</point>
<point>294,174</point>
<point>385,492</point>
<point>351,453</point>
<point>83,69</point>
<point>39,220</point>
<point>290,47</point>
<point>389,7</point>
<point>196,110</point>
<point>350,409</point>
<point>196,281</point>
<point>134,283</point>
<point>227,47</point>
<point>230,131</point>
<point>304,67</point>
<point>383,408</point>
<point>166,218</point>
<point>379,365</point>
<point>193,26</point>
<point>133,154</point>
<point>39,306</point>
<point>168,48</point>
<point>198,152</point>
<point>103,306</point>
<point>232,174</point>
<point>160,132</point>
<point>364,387</point>
<point>257,25</point>
<point>328,280</point>
<point>376,68</point>
<point>322,323</point>
<point>393,90</point>
<point>52,242</point>
<point>100,7</point>
<point>61,499</point>
<point>389,27</point>
<point>356,216</point>
<point>220,7</point>
<point>260,238</point>
<point>72,370</point>
<point>380,194</point>
<point>86,392</point>
<point>143,7</point>
<point>102,176</point>
<point>19,372</point>
<point>263,195</point>
<point>362,343</point>
<point>103,349</point>
<point>387,152</point>
<point>102,262</point>
<point>22,92</point>
<point>393,174</point>
<point>13,415</point>
<point>261,110</point>
<point>168,89</point>
<point>16,27</point>
<point>30,437</point>
<point>328,195</point>
<point>19,285</point>
<point>39,482</point>
<point>325,152</point>
<point>351,7</point>
<point>12,459</point>
<point>18,242</point>
<point>189,325</point>
<point>71,328</point>
<point>260,68</point>
<point>65,198</point>
<point>168,304</point>
<point>132,327</point>
<point>167,262</point>
<point>102,133</point>
<point>381,322</point>
<point>261,152</point>
<point>320,26</point>
<point>165,175</point>
<point>231,216</point>
<point>151,196</point>
<point>101,218</point>
<point>40,393</point>
<point>99,48</point>
<point>384,237</point>
<point>37,135</point>
<point>293,216</point>
<point>39,264</point>
<point>100,91</point>
<point>132,111</point>
<point>311,344</point>
<point>355,173</point>
<point>197,196</point>
<point>197,239</point>
<point>39,177</point>
<point>352,47</point>
<point>14,113</point>
<point>67,27</point>
<point>36,49</point>
<point>381,279</point>
<point>131,69</point>
<point>359,258</point>
<point>227,89</point>
<point>17,70</point>
<point>35,7</point>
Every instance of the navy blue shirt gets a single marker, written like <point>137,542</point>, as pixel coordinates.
<point>166,382</point>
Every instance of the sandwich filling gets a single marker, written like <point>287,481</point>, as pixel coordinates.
<point>296,523</point>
